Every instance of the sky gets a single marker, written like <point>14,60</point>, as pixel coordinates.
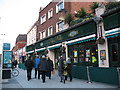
<point>17,17</point>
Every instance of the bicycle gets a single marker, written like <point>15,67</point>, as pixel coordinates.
<point>14,72</point>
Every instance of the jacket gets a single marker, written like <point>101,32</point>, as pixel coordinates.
<point>43,64</point>
<point>29,64</point>
<point>50,65</point>
<point>37,60</point>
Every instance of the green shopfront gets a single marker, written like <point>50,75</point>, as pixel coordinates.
<point>80,45</point>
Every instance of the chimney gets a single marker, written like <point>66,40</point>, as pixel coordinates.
<point>41,8</point>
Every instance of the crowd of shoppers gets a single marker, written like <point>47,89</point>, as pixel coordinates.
<point>44,66</point>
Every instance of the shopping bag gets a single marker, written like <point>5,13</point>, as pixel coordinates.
<point>53,72</point>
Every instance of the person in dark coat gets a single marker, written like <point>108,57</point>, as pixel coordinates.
<point>29,65</point>
<point>43,67</point>
<point>60,68</point>
<point>69,69</point>
<point>37,60</point>
<point>50,67</point>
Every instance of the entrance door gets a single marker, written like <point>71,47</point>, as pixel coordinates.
<point>57,54</point>
<point>114,52</point>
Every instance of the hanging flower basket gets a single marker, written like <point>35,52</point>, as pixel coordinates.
<point>101,40</point>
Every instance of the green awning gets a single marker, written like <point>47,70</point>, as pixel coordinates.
<point>40,50</point>
<point>111,36</point>
<point>82,41</point>
<point>29,52</point>
<point>54,47</point>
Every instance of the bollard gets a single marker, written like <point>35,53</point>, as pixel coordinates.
<point>88,74</point>
<point>118,69</point>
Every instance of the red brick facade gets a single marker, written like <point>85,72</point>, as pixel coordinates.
<point>69,7</point>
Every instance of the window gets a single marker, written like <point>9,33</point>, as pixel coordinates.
<point>43,34</point>
<point>50,13</point>
<point>60,26</point>
<point>59,6</point>
<point>43,18</point>
<point>50,31</point>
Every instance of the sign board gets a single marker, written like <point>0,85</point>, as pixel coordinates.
<point>7,58</point>
<point>6,46</point>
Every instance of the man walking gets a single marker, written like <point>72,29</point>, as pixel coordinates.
<point>29,66</point>
<point>43,67</point>
<point>37,60</point>
<point>50,67</point>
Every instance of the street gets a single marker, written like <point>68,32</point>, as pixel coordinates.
<point>21,82</point>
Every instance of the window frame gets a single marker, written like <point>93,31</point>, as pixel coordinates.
<point>57,6</point>
<point>49,13</point>
<point>43,19</point>
<point>49,31</point>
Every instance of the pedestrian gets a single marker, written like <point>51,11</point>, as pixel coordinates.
<point>60,68</point>
<point>69,68</point>
<point>37,60</point>
<point>15,62</point>
<point>29,65</point>
<point>43,67</point>
<point>50,66</point>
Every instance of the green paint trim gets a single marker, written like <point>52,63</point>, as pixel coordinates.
<point>40,50</point>
<point>82,41</point>
<point>54,47</point>
<point>116,35</point>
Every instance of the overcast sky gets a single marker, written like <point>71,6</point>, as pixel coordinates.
<point>17,17</point>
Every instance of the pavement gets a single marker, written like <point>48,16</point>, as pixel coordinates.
<point>21,82</point>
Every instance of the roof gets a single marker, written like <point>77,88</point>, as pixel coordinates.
<point>21,37</point>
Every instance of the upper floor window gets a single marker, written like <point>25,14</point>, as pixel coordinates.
<point>43,18</point>
<point>59,6</point>
<point>50,31</point>
<point>43,34</point>
<point>60,26</point>
<point>50,13</point>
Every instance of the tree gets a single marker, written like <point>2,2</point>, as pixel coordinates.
<point>69,18</point>
<point>94,6</point>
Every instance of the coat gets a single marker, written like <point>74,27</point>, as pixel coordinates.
<point>69,66</point>
<point>43,64</point>
<point>29,64</point>
<point>50,65</point>
<point>60,67</point>
<point>37,60</point>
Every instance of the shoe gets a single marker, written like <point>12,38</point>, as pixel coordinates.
<point>49,77</point>
<point>70,80</point>
<point>64,81</point>
<point>60,81</point>
<point>43,81</point>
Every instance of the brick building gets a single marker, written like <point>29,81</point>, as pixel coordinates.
<point>21,42</point>
<point>49,21</point>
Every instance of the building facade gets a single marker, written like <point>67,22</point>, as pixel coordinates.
<point>93,46</point>
<point>52,17</point>
<point>21,42</point>
<point>31,35</point>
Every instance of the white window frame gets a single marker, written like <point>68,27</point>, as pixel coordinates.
<point>57,5</point>
<point>41,34</point>
<point>49,13</point>
<point>57,26</point>
<point>42,19</point>
<point>49,31</point>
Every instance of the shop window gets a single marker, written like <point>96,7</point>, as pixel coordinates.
<point>115,52</point>
<point>88,59</point>
<point>81,55</point>
<point>75,56</point>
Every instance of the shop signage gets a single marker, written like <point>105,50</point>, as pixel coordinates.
<point>73,33</point>
<point>6,46</point>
